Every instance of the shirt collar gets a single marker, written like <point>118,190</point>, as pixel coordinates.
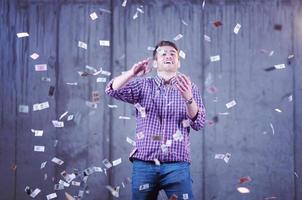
<point>160,81</point>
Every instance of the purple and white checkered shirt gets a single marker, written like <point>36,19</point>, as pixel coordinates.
<point>162,128</point>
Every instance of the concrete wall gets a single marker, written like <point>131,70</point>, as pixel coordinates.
<point>264,144</point>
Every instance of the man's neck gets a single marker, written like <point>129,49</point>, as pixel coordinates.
<point>166,75</point>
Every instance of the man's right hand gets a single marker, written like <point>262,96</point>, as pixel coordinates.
<point>141,68</point>
<point>138,69</point>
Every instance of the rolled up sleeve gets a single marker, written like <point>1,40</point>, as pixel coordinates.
<point>198,121</point>
<point>130,93</point>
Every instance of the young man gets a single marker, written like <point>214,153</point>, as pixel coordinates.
<point>168,105</point>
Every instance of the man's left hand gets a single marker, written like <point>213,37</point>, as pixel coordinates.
<point>184,85</point>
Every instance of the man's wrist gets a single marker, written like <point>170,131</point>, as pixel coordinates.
<point>189,101</point>
<point>131,73</point>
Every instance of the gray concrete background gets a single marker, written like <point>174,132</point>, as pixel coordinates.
<point>272,160</point>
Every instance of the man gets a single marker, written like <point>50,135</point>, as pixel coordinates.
<point>167,106</point>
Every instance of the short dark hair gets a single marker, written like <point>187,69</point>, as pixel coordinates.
<point>164,43</point>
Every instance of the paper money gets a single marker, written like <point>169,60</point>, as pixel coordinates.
<point>34,56</point>
<point>219,156</point>
<point>186,123</point>
<point>124,3</point>
<point>51,196</point>
<point>41,67</point>
<point>182,54</point>
<point>243,190</point>
<point>106,73</point>
<point>231,104</point>
<point>135,16</point>
<point>47,79</point>
<point>278,110</point>
<point>104,43</point>
<point>23,108</point>
<point>35,193</point>
<point>140,135</point>
<point>207,38</point>
<point>74,83</point>
<point>97,169</point>
<point>70,117</point>
<point>39,148</point>
<point>43,164</point>
<point>101,80</point>
<point>144,186</point>
<point>237,28</point>
<point>215,58</point>
<point>81,193</point>
<point>64,183</point>
<point>22,34</point>
<point>280,66</point>
<point>117,162</point>
<point>91,68</point>
<point>178,136</point>
<point>124,117</point>
<point>130,141</point>
<point>63,115</point>
<point>156,161</point>
<point>58,187</point>
<point>82,45</point>
<point>40,106</point>
<point>141,109</point>
<point>114,192</point>
<point>168,143</point>
<point>57,124</point>
<point>57,161</point>
<point>227,157</point>
<point>245,179</point>
<point>140,10</point>
<point>164,148</point>
<point>91,104</point>
<point>107,163</point>
<point>150,48</point>
<point>178,37</point>
<point>75,183</point>
<point>184,23</point>
<point>112,106</point>
<point>93,16</point>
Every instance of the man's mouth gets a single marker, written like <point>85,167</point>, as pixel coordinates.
<point>168,62</point>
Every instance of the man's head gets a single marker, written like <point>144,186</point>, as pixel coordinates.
<point>166,57</point>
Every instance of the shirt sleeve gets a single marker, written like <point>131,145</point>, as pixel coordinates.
<point>199,120</point>
<point>129,93</point>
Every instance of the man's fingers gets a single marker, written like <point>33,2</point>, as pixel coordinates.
<point>181,85</point>
<point>179,88</point>
<point>141,68</point>
<point>148,70</point>
<point>182,81</point>
<point>187,79</point>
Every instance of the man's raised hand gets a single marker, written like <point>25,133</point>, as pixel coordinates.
<point>141,68</point>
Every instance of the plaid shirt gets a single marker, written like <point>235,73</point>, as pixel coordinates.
<point>162,123</point>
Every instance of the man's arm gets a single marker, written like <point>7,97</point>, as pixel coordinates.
<point>184,85</point>
<point>124,88</point>
<point>195,110</point>
<point>137,69</point>
<point>122,80</point>
<point>192,109</point>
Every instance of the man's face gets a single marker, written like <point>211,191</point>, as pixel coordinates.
<point>167,59</point>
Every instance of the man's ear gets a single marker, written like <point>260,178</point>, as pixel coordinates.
<point>178,64</point>
<point>154,63</point>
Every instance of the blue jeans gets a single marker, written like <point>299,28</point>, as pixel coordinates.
<point>148,179</point>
